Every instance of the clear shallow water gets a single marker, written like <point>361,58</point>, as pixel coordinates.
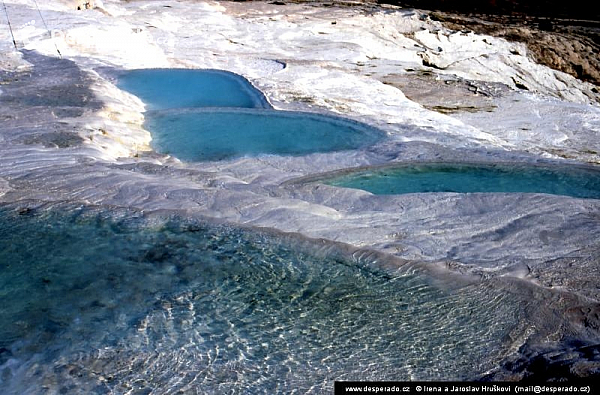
<point>464,178</point>
<point>175,88</point>
<point>111,302</point>
<point>217,134</point>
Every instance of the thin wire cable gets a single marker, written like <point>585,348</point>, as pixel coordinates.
<point>10,26</point>
<point>46,25</point>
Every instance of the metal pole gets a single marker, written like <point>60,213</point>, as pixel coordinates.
<point>10,26</point>
<point>46,25</point>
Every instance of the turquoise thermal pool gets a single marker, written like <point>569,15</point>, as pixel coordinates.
<point>98,301</point>
<point>208,115</point>
<point>176,88</point>
<point>580,182</point>
<point>216,134</point>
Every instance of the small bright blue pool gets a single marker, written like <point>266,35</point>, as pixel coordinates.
<point>176,88</point>
<point>97,301</point>
<point>208,115</point>
<point>580,182</point>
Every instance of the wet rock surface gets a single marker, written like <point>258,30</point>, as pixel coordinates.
<point>51,83</point>
<point>35,103</point>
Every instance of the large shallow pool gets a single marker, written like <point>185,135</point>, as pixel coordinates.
<point>576,181</point>
<point>97,301</point>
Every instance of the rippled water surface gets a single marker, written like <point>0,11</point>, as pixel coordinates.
<point>109,302</point>
<point>463,178</point>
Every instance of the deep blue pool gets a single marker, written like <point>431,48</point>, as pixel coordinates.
<point>580,182</point>
<point>208,115</point>
<point>97,301</point>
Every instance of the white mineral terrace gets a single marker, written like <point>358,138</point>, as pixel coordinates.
<point>322,59</point>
